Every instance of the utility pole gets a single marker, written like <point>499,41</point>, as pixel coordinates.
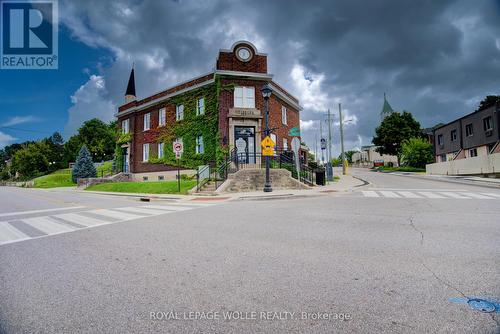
<point>316,146</point>
<point>342,141</point>
<point>329,165</point>
<point>321,137</point>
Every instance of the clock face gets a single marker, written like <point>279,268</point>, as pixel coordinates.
<point>244,54</point>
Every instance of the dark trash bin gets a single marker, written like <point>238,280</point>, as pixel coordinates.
<point>320,177</point>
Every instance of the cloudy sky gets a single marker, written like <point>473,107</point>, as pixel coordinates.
<point>436,59</point>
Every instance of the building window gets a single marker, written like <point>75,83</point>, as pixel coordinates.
<point>200,106</point>
<point>125,126</point>
<point>179,112</point>
<point>161,146</point>
<point>283,115</point>
<point>487,123</point>
<point>145,152</point>
<point>244,97</point>
<point>162,117</point>
<point>147,121</point>
<point>469,130</point>
<point>199,145</point>
<point>473,152</point>
<point>440,140</point>
<point>285,144</point>
<point>453,135</point>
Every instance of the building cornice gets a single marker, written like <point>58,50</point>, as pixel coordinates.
<point>166,97</point>
<point>253,75</point>
<point>277,91</point>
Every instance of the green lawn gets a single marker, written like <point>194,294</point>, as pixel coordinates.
<point>60,178</point>
<point>400,169</point>
<point>105,169</point>
<point>160,187</point>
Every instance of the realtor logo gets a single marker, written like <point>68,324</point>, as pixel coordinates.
<point>29,34</point>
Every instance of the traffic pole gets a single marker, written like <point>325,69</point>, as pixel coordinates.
<point>178,175</point>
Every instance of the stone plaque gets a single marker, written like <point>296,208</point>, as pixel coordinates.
<point>244,113</point>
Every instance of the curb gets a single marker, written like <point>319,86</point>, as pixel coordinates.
<point>466,182</point>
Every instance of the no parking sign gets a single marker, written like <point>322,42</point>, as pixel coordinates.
<point>178,149</point>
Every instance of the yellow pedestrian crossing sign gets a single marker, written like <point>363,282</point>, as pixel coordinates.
<point>267,146</point>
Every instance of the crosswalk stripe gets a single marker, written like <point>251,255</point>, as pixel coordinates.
<point>370,194</point>
<point>81,219</point>
<point>141,210</point>
<point>474,195</point>
<point>453,195</point>
<point>409,194</point>
<point>10,233</point>
<point>429,194</point>
<point>47,225</point>
<point>167,207</point>
<point>39,211</point>
<point>390,194</point>
<point>115,214</point>
<point>491,194</point>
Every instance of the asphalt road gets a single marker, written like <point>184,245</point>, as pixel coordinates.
<point>386,258</point>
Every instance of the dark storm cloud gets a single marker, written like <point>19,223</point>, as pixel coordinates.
<point>436,59</point>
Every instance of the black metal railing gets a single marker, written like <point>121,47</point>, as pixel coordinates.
<point>201,180</point>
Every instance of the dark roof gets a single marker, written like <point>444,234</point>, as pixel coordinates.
<point>386,108</point>
<point>131,84</point>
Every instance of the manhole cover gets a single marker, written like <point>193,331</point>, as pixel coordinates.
<point>481,305</point>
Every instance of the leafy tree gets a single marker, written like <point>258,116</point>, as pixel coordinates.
<point>83,167</point>
<point>56,152</point>
<point>348,156</point>
<point>336,162</point>
<point>99,137</point>
<point>71,149</point>
<point>488,101</point>
<point>416,152</point>
<point>394,130</point>
<point>31,160</point>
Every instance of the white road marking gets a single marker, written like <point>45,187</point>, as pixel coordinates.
<point>474,195</point>
<point>116,214</point>
<point>418,189</point>
<point>408,194</point>
<point>39,211</point>
<point>370,194</point>
<point>9,233</point>
<point>390,194</point>
<point>453,195</point>
<point>167,207</point>
<point>429,194</point>
<point>81,219</point>
<point>142,210</point>
<point>47,225</point>
<point>492,194</point>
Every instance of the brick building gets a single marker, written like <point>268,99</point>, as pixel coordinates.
<point>210,114</point>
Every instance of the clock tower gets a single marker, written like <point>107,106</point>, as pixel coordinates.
<point>242,57</point>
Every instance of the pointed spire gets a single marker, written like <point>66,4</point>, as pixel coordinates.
<point>130,92</point>
<point>386,108</point>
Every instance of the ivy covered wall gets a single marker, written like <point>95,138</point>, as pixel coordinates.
<point>191,127</point>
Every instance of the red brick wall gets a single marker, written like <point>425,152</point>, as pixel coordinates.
<point>226,101</point>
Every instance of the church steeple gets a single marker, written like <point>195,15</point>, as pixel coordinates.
<point>386,108</point>
<point>130,92</point>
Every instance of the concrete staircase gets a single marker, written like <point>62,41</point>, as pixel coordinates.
<point>246,180</point>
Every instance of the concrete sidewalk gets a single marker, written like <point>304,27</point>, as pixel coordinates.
<point>345,183</point>
<point>470,180</point>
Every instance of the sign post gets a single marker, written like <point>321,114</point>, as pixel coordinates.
<point>178,148</point>
<point>295,149</point>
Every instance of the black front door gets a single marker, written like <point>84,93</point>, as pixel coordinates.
<point>244,141</point>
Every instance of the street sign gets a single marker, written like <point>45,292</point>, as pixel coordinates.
<point>178,149</point>
<point>323,143</point>
<point>294,132</point>
<point>267,146</point>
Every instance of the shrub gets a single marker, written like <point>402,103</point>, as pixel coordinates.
<point>416,152</point>
<point>84,167</point>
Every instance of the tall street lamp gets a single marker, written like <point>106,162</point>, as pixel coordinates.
<point>266,94</point>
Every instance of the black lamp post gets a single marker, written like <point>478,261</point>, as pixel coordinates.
<point>266,93</point>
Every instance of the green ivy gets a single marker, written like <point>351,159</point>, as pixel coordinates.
<point>192,126</point>
<point>124,138</point>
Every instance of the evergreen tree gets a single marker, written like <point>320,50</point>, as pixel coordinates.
<point>83,165</point>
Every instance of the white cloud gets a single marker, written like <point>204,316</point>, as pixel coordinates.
<point>16,120</point>
<point>5,139</point>
<point>308,86</point>
<point>307,125</point>
<point>89,101</point>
